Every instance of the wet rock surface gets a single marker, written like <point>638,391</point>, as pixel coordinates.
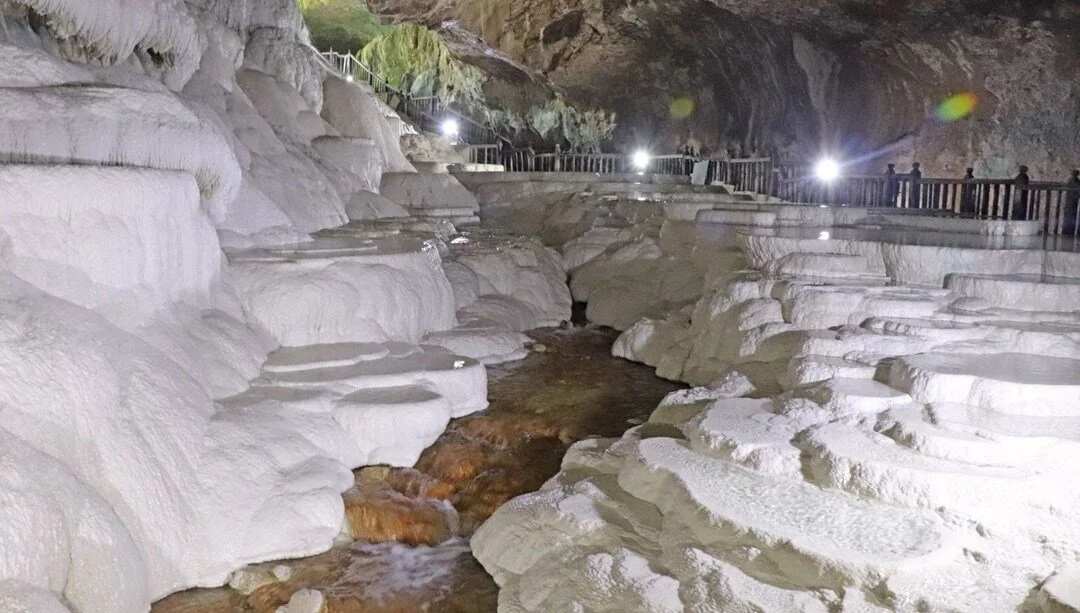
<point>411,525</point>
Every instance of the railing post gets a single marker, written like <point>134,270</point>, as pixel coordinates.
<point>1071,216</point>
<point>914,193</point>
<point>558,161</point>
<point>1020,198</point>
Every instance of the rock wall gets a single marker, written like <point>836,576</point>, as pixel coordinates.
<point>855,79</point>
<point>139,141</point>
<point>196,347</point>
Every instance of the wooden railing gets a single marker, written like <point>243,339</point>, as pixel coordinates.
<point>525,160</point>
<point>1018,198</point>
<point>355,70</point>
<point>544,162</point>
<point>672,165</point>
<point>483,154</point>
<point>429,113</point>
<point>528,160</point>
<point>603,163</point>
<point>745,175</point>
<point>614,163</point>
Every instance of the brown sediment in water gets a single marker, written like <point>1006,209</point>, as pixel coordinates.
<point>539,407</point>
<point>378,513</point>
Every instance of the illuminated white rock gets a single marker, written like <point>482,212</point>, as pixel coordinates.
<point>125,241</point>
<point>61,538</point>
<point>289,359</point>
<point>511,269</point>
<point>902,412</point>
<point>738,218</point>
<point>488,344</point>
<point>873,466</point>
<point>462,381</point>
<point>429,192</point>
<point>748,433</point>
<point>368,205</point>
<point>969,434</point>
<point>137,429</point>
<point>335,290</point>
<point>592,244</point>
<point>816,368</point>
<point>1021,292</point>
<point>355,112</point>
<point>840,397</point>
<point>720,504</point>
<point>22,598</point>
<point>986,227</point>
<point>709,580</point>
<point>820,264</point>
<point>138,459</point>
<point>1061,594</point>
<point>304,601</point>
<point>1018,384</point>
<point>27,67</point>
<point>118,28</point>
<point>819,216</point>
<point>113,125</point>
<point>393,424</point>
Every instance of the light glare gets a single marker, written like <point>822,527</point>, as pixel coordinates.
<point>827,170</point>
<point>640,160</point>
<point>450,128</point>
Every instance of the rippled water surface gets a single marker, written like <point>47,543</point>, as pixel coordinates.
<point>412,525</point>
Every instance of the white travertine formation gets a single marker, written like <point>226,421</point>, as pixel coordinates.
<point>867,441</point>
<point>341,289</point>
<point>121,28</point>
<point>170,413</point>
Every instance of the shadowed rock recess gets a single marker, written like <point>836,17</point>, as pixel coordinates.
<point>771,76</point>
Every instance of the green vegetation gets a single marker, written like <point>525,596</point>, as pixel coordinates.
<point>416,60</point>
<point>342,25</point>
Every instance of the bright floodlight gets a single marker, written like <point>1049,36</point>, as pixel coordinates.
<point>450,128</point>
<point>349,78</point>
<point>827,170</point>
<point>640,160</point>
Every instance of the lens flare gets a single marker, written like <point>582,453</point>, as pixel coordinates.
<point>827,170</point>
<point>681,108</point>
<point>957,107</point>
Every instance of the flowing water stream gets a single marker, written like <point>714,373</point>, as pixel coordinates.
<point>411,526</point>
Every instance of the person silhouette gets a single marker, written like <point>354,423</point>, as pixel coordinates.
<point>1071,215</point>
